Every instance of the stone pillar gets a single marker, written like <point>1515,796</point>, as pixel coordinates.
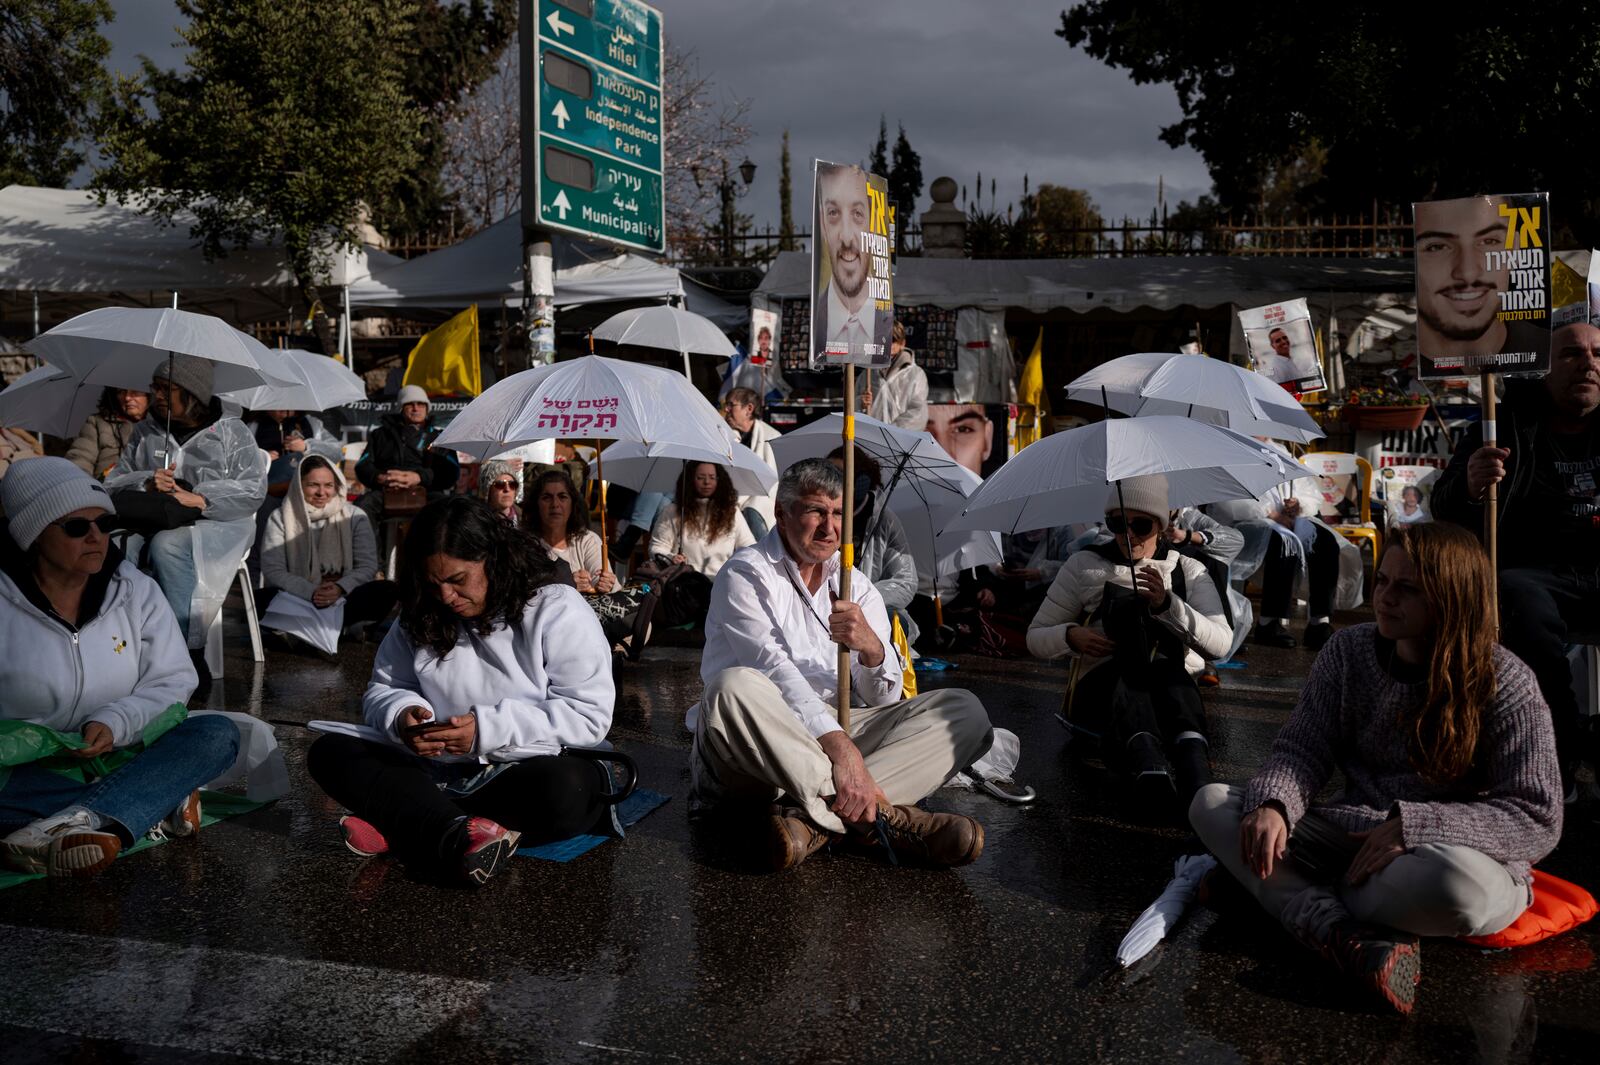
<point>944,225</point>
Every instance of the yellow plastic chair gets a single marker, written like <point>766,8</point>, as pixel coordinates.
<point>1342,464</point>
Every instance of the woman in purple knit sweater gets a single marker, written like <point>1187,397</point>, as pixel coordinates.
<point>1451,789</point>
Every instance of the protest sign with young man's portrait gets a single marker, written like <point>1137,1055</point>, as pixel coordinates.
<point>1483,285</point>
<point>852,305</point>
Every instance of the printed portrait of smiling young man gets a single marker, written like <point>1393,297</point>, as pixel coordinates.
<point>1458,287</point>
<point>850,319</point>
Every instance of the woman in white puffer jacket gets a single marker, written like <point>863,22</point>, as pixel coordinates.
<point>92,652</point>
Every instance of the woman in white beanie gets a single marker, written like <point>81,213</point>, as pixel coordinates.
<point>94,666</point>
<point>320,549</point>
<point>1144,618</point>
<point>400,455</point>
<point>209,463</point>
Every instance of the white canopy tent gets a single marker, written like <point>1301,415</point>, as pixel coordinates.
<point>74,254</point>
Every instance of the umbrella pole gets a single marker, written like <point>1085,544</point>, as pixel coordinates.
<point>600,478</point>
<point>1491,502</point>
<point>1127,539</point>
<point>847,549</point>
<point>938,604</point>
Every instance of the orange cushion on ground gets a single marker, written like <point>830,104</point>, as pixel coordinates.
<point>1557,907</point>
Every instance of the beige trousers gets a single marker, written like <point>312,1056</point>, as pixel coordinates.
<point>1436,889</point>
<point>752,747</point>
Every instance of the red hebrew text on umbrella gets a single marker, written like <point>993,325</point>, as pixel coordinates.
<point>590,417</point>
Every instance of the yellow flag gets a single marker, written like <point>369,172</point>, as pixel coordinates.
<point>1566,287</point>
<point>445,361</point>
<point>1031,391</point>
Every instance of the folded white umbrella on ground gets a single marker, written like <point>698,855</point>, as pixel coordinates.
<point>657,467</point>
<point>322,383</point>
<point>1163,915</point>
<point>1066,477</point>
<point>317,626</point>
<point>48,399</point>
<point>1194,386</point>
<point>672,328</point>
<point>592,398</point>
<point>124,346</point>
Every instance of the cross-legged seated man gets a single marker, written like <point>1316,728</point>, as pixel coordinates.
<point>766,731</point>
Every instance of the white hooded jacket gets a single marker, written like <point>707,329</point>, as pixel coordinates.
<point>122,667</point>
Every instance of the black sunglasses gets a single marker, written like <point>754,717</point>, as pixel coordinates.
<point>78,528</point>
<point>1140,526</point>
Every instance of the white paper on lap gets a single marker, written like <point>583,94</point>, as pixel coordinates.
<point>318,626</point>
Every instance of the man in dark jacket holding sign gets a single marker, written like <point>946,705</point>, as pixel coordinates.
<point>1549,520</point>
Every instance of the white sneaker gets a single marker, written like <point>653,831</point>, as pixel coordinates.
<point>69,843</point>
<point>184,821</point>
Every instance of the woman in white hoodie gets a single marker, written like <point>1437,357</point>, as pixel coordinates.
<point>492,670</point>
<point>94,662</point>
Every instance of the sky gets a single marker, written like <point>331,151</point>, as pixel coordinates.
<point>980,86</point>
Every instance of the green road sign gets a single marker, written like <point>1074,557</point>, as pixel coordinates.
<point>598,123</point>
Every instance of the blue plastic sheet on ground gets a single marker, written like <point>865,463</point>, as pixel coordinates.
<point>1230,665</point>
<point>630,811</point>
<point>932,665</point>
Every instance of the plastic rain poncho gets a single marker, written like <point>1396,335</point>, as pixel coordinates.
<point>223,464</point>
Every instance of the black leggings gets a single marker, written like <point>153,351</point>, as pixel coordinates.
<point>1162,701</point>
<point>547,798</point>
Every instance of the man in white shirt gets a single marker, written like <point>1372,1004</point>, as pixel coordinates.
<point>766,731</point>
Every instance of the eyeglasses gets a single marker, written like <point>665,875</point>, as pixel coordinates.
<point>78,528</point>
<point>503,486</point>
<point>1140,526</point>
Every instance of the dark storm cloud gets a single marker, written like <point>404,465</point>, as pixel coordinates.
<point>980,86</point>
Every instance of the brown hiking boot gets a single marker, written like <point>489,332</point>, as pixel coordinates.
<point>917,837</point>
<point>1386,962</point>
<point>791,839</point>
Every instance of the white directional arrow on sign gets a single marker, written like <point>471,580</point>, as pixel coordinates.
<point>560,114</point>
<point>562,204</point>
<point>556,25</point>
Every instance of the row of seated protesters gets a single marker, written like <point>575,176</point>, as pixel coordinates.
<point>498,671</point>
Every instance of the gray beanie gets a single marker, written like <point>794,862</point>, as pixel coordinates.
<point>413,394</point>
<point>1147,495</point>
<point>36,492</point>
<point>189,373</point>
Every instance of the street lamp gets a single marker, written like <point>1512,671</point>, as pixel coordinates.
<point>729,190</point>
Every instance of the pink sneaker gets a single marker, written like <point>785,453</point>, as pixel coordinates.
<point>362,838</point>
<point>489,846</point>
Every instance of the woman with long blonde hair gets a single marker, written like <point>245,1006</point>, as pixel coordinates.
<point>1451,789</point>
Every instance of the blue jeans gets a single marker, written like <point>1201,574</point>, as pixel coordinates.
<point>172,558</point>
<point>136,796</point>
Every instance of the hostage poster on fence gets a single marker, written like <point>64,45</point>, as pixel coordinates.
<point>1282,345</point>
<point>1483,285</point>
<point>852,305</point>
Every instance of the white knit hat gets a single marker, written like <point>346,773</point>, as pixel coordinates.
<point>1147,495</point>
<point>413,394</point>
<point>38,491</point>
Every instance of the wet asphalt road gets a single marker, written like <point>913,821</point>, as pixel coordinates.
<point>265,940</point>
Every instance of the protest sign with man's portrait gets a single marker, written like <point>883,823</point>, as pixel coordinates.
<point>1282,345</point>
<point>1483,285</point>
<point>852,303</point>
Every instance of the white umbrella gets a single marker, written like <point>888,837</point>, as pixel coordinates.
<point>1064,478</point>
<point>672,328</point>
<point>48,399</point>
<point>323,383</point>
<point>595,398</point>
<point>589,398</point>
<point>124,346</point>
<point>1194,386</point>
<point>1162,915</point>
<point>657,467</point>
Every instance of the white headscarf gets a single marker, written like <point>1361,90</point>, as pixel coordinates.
<point>318,540</point>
